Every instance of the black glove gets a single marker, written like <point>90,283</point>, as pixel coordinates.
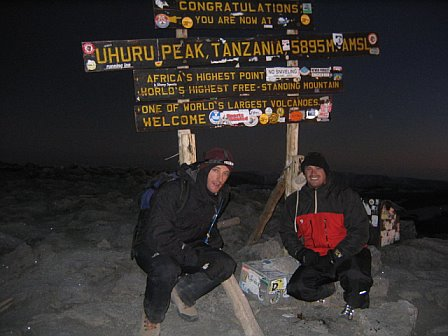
<point>336,257</point>
<point>307,257</point>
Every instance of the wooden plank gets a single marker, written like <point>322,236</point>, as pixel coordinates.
<point>226,223</point>
<point>5,304</point>
<point>231,14</point>
<point>204,83</point>
<point>269,208</point>
<point>187,146</point>
<point>292,163</point>
<point>242,308</point>
<point>232,112</point>
<point>276,50</point>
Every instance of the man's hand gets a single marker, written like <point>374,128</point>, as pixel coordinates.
<point>336,257</point>
<point>307,257</point>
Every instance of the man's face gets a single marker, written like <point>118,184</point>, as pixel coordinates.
<point>216,178</point>
<point>315,176</point>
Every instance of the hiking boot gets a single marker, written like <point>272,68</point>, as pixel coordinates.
<point>148,328</point>
<point>348,312</point>
<point>188,313</point>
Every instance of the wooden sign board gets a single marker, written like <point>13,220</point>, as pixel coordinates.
<point>273,50</point>
<point>248,112</point>
<point>231,14</point>
<point>204,83</point>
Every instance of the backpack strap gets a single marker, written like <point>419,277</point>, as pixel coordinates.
<point>184,194</point>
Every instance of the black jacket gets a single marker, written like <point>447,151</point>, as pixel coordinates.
<point>168,231</point>
<point>323,209</point>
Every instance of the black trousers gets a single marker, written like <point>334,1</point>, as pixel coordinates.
<point>308,283</point>
<point>164,272</point>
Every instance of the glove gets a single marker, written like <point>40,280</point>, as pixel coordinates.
<point>307,257</point>
<point>336,257</point>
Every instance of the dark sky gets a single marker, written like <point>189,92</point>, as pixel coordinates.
<point>391,118</point>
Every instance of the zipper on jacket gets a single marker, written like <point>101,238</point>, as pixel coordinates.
<point>315,201</point>
<point>297,208</point>
<point>326,232</point>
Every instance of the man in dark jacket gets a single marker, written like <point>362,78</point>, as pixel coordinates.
<point>181,250</point>
<point>326,228</point>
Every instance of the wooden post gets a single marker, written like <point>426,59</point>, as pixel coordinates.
<point>285,185</point>
<point>292,145</point>
<point>187,146</point>
<point>242,308</point>
<point>292,161</point>
<point>269,208</point>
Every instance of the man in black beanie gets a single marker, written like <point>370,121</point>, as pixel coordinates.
<point>180,246</point>
<point>326,228</point>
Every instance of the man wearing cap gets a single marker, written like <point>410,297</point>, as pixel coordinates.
<point>181,249</point>
<point>326,228</point>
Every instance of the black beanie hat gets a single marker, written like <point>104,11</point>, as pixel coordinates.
<point>315,159</point>
<point>219,156</point>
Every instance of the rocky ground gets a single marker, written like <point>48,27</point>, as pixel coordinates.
<point>65,267</point>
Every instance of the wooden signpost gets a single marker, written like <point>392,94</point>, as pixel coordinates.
<point>272,50</point>
<point>258,81</point>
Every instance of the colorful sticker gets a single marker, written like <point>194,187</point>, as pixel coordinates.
<point>338,40</point>
<point>273,119</point>
<point>304,71</point>
<point>321,72</point>
<point>264,119</point>
<point>311,113</point>
<point>295,115</point>
<point>286,45</point>
<point>337,76</point>
<point>372,38</point>
<point>88,48</point>
<point>162,21</point>
<point>91,65</point>
<point>161,3</point>
<point>307,8</point>
<point>187,22</point>
<point>235,117</point>
<point>214,117</point>
<point>277,285</point>
<point>305,19</point>
<point>282,21</point>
